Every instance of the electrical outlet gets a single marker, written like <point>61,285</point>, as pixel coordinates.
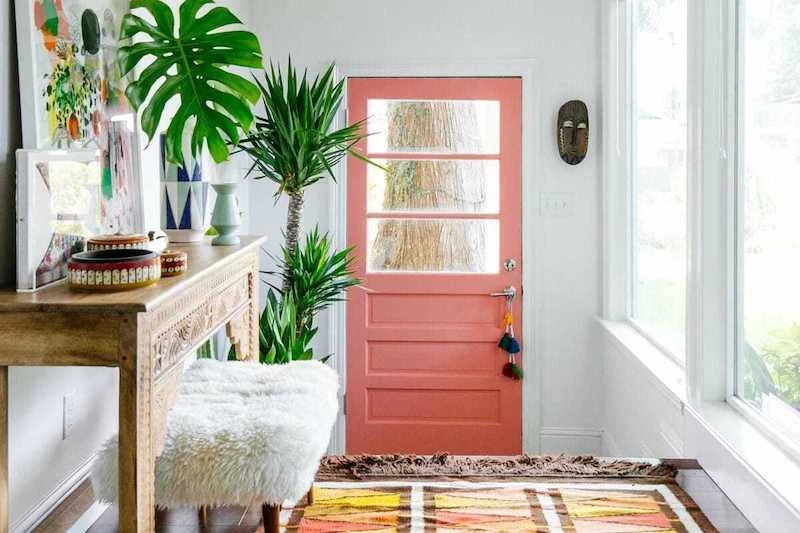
<point>68,415</point>
<point>556,204</point>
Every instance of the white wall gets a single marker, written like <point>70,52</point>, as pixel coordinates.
<point>563,37</point>
<point>43,467</point>
<point>641,418</point>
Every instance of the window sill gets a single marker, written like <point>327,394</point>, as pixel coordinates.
<point>745,443</point>
<point>755,450</point>
<point>664,369</point>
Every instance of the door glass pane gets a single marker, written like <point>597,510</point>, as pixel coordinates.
<point>433,245</point>
<point>769,358</point>
<point>659,195</point>
<point>434,126</point>
<point>434,186</point>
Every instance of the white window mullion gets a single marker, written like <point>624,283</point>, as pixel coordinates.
<point>617,206</point>
<point>711,192</point>
<point>695,264</point>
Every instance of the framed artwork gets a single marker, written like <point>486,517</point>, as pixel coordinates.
<point>74,96</point>
<point>69,78</point>
<point>61,200</point>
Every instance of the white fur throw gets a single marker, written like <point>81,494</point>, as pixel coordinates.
<point>240,433</point>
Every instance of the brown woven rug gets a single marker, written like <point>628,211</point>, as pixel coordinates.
<point>445,465</point>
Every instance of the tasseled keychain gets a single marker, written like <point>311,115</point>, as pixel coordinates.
<point>510,344</point>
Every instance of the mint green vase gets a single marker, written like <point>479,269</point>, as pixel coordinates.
<point>226,218</point>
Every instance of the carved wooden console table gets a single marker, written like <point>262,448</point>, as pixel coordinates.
<point>147,333</point>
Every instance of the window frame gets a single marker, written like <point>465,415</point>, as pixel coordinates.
<point>735,378</point>
<point>714,193</point>
<point>625,15</point>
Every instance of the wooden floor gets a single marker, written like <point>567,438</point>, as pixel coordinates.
<point>222,520</point>
<point>716,506</point>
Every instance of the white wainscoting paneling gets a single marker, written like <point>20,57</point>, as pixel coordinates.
<point>575,441</point>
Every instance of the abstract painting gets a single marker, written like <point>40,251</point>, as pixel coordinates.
<point>71,86</point>
<point>68,71</point>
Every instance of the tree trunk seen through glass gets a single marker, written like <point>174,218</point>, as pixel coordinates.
<point>428,185</point>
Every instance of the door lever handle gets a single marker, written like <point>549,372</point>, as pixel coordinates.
<point>509,292</point>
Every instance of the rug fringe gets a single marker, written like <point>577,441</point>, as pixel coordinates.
<point>444,464</point>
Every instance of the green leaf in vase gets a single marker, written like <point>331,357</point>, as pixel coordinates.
<point>193,64</point>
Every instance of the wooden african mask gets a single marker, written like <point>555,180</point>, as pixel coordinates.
<point>572,132</point>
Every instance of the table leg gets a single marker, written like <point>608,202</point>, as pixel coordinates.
<point>253,322</point>
<point>3,449</point>
<point>136,459</point>
<point>242,331</point>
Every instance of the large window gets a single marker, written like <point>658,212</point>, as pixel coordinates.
<point>768,369</point>
<point>658,262</point>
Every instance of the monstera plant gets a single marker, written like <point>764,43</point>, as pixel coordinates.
<point>192,60</point>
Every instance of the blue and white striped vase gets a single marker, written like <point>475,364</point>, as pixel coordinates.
<point>184,200</point>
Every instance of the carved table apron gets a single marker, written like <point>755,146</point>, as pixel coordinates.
<point>148,333</point>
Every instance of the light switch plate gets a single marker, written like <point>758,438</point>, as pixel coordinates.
<point>556,204</point>
<point>68,415</point>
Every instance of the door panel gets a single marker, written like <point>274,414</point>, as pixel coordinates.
<point>431,231</point>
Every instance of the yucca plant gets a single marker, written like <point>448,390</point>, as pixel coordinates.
<point>280,341</point>
<point>319,276</point>
<point>293,143</point>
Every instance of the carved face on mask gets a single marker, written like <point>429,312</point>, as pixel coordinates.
<point>573,132</point>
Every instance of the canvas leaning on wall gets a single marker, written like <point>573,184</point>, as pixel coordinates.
<point>57,207</point>
<point>73,95</point>
<point>61,202</point>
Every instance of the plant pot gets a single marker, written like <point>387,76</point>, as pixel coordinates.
<point>226,218</point>
<point>184,199</point>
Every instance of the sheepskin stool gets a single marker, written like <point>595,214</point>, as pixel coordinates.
<point>239,433</point>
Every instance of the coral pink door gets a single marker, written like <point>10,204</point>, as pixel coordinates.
<point>436,231</point>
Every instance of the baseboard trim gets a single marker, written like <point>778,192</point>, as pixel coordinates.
<point>42,510</point>
<point>610,446</point>
<point>571,432</point>
<point>571,440</point>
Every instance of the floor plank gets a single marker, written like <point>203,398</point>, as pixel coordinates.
<point>69,511</point>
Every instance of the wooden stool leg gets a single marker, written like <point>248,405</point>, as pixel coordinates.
<point>272,518</point>
<point>202,515</point>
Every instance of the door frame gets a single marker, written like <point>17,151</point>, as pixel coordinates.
<point>532,169</point>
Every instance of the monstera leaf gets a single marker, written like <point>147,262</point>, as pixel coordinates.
<point>194,65</point>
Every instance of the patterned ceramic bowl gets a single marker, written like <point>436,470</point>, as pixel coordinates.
<point>173,263</point>
<point>113,270</point>
<point>116,241</point>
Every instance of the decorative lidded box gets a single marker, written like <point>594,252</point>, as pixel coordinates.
<point>113,270</point>
<point>173,263</point>
<point>117,241</point>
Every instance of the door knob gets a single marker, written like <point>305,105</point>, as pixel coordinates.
<point>509,292</point>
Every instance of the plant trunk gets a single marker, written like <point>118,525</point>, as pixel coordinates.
<point>293,216</point>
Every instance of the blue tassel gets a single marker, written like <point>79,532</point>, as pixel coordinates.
<point>505,341</point>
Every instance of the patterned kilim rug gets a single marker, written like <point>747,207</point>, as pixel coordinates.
<point>627,498</point>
